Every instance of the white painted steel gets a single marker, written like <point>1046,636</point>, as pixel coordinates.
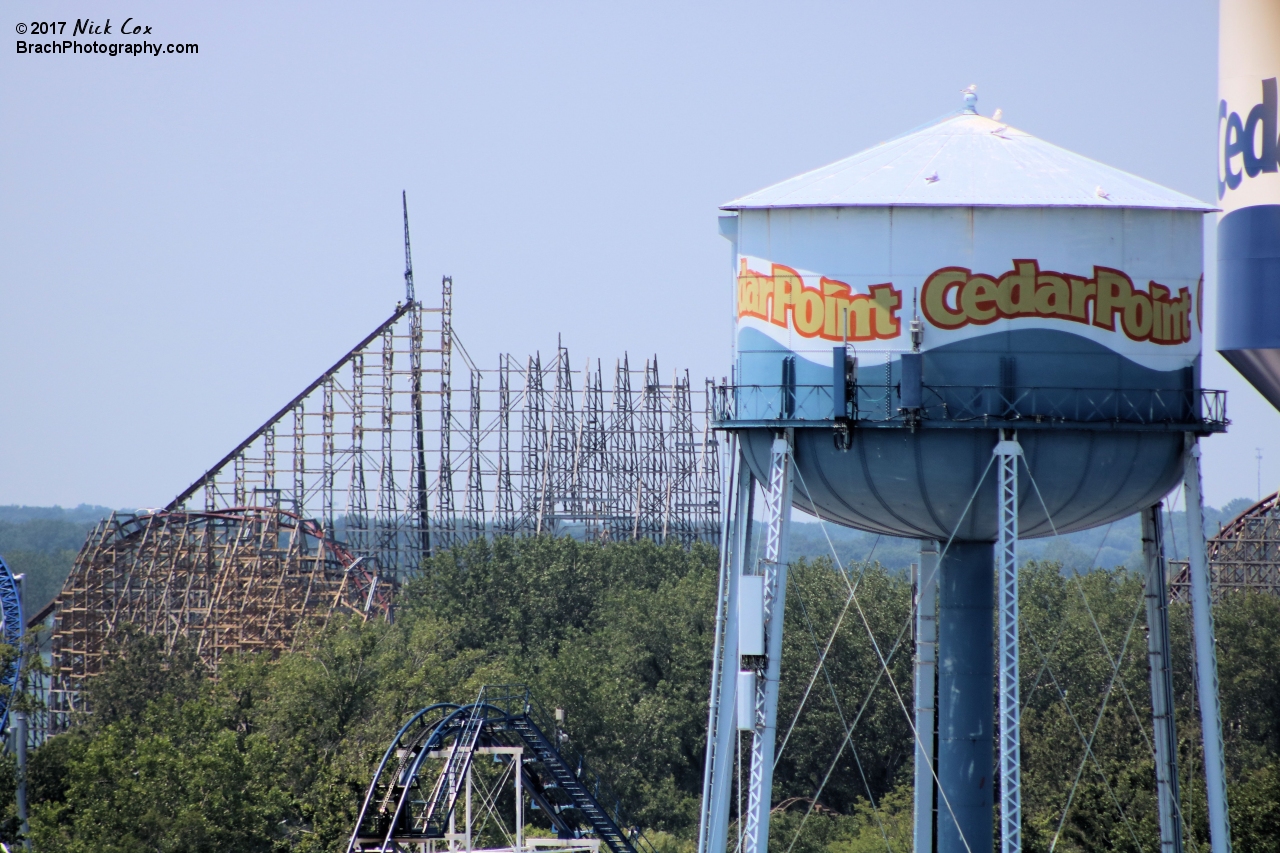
<point>1164,734</point>
<point>750,615</point>
<point>717,780</point>
<point>746,715</point>
<point>971,160</point>
<point>1215,771</point>
<point>907,247</point>
<point>722,639</point>
<point>1007,452</point>
<point>518,772</point>
<point>777,519</point>
<point>926,691</point>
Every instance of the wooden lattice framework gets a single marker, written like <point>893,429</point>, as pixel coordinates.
<point>1245,555</point>
<point>341,494</point>
<point>239,580</point>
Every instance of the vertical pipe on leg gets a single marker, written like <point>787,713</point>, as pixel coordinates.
<point>966,686</point>
<point>717,786</point>
<point>1215,772</point>
<point>774,566</point>
<point>1165,737</point>
<point>1007,452</point>
<point>926,691</point>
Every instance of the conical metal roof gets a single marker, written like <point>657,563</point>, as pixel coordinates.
<point>967,160</point>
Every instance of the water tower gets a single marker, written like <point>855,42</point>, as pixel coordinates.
<point>964,335</point>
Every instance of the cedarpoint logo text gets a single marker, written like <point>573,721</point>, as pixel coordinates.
<point>780,297</point>
<point>1247,146</point>
<point>954,297</point>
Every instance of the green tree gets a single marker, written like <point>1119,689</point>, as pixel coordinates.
<point>277,753</point>
<point>175,779</point>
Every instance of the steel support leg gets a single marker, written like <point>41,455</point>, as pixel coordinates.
<point>1007,452</point>
<point>518,760</point>
<point>926,691</point>
<point>1165,736</point>
<point>1215,773</point>
<point>717,784</point>
<point>966,689</point>
<point>774,568</point>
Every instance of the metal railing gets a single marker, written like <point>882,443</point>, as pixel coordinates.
<point>975,405</point>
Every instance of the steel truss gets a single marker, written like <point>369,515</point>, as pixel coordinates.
<point>1007,453</point>
<point>773,567</point>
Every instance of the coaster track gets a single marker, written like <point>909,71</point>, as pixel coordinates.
<point>10,635</point>
<point>405,806</point>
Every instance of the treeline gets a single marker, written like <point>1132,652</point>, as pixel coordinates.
<point>276,754</point>
<point>42,543</point>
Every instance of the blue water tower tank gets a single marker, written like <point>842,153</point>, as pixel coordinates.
<point>1248,298</point>
<point>898,309</point>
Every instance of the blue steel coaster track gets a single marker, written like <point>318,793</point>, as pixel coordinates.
<point>11,613</point>
<point>401,807</point>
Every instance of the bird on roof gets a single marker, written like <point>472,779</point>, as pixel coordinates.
<point>997,115</point>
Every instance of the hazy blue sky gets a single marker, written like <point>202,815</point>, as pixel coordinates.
<point>185,241</point>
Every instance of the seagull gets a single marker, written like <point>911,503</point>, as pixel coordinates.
<point>997,115</point>
<point>971,89</point>
<point>931,179</point>
<point>1101,193</point>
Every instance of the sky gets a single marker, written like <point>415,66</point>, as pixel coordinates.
<point>186,240</point>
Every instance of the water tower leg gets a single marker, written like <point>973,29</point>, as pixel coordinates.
<point>717,785</point>
<point>1215,772</point>
<point>1165,737</point>
<point>1007,452</point>
<point>966,688</point>
<point>773,566</point>
<point>926,691</point>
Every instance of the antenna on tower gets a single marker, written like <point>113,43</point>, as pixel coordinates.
<point>1258,450</point>
<point>408,258</point>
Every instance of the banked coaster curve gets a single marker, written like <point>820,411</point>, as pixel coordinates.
<point>418,792</point>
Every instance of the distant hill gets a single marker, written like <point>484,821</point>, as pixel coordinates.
<point>42,542</point>
<point>1117,544</point>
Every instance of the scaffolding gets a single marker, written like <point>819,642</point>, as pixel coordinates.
<point>396,464</point>
<point>339,496</point>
